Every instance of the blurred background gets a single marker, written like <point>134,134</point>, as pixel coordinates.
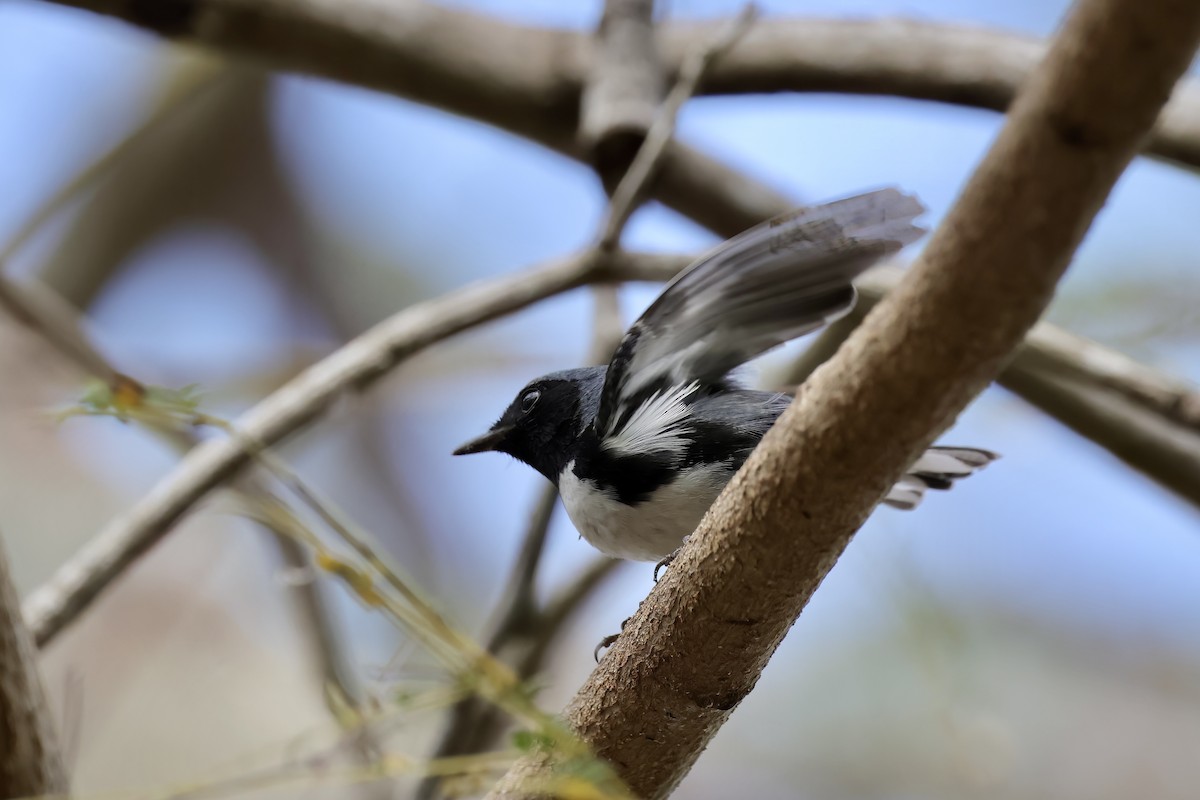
<point>1034,633</point>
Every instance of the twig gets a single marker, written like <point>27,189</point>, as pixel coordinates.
<point>1057,349</point>
<point>820,351</point>
<point>1049,347</point>
<point>521,633</point>
<point>562,606</point>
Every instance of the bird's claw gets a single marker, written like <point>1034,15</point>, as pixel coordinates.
<point>609,640</point>
<point>605,643</point>
<point>666,562</point>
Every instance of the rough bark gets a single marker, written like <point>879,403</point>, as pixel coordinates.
<point>30,760</point>
<point>701,639</point>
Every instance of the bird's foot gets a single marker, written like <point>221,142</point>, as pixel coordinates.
<point>609,640</point>
<point>666,562</point>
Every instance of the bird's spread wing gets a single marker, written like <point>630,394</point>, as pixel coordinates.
<point>771,284</point>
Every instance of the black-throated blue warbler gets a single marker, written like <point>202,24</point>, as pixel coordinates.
<point>640,449</point>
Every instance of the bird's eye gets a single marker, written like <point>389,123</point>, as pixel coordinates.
<point>529,401</point>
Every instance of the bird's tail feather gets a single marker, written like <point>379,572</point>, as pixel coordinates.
<point>939,468</point>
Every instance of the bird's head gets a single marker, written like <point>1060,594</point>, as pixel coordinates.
<point>542,425</point>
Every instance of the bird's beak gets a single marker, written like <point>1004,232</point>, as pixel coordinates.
<point>482,444</point>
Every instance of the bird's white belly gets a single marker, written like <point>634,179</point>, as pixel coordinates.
<point>649,531</point>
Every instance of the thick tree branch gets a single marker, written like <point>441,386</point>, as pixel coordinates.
<point>699,642</point>
<point>31,761</point>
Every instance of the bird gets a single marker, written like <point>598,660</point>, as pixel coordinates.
<point>641,447</point>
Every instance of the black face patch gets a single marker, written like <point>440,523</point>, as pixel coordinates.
<point>543,428</point>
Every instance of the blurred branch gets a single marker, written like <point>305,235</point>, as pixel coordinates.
<point>1073,356</point>
<point>1148,419</point>
<point>528,80</point>
<point>625,85</point>
<point>187,84</point>
<point>31,761</point>
<point>519,79</point>
<point>1049,347</point>
<point>954,64</point>
<point>1153,444</point>
<point>627,196</point>
<point>821,350</point>
<point>49,317</point>
<point>521,633</point>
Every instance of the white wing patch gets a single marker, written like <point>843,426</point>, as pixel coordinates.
<point>654,426</point>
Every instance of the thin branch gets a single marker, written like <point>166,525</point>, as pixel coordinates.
<point>1151,444</point>
<point>1051,348</point>
<point>563,605</point>
<point>53,320</point>
<point>473,723</point>
<point>521,633</point>
<point>1164,395</point>
<point>821,350</point>
<point>519,612</point>
<point>699,642</point>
